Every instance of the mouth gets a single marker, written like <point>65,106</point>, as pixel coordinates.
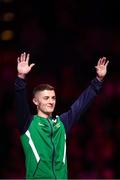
<point>50,106</point>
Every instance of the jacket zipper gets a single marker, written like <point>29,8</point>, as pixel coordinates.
<point>53,154</point>
<point>36,169</point>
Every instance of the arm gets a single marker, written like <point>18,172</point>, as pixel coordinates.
<point>23,112</point>
<point>86,98</point>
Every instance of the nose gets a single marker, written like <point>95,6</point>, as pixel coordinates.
<point>51,101</point>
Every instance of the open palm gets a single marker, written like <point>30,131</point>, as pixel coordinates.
<point>23,66</point>
<point>101,68</point>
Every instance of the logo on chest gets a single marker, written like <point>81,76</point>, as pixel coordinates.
<point>57,125</point>
<point>40,124</point>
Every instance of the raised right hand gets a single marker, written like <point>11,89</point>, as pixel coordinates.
<point>23,66</point>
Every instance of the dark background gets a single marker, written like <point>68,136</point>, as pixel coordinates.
<point>65,39</point>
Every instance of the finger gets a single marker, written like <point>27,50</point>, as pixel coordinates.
<point>103,60</point>
<point>24,56</point>
<point>32,65</point>
<point>99,62</point>
<point>107,63</point>
<point>18,60</point>
<point>21,57</point>
<point>27,58</point>
<point>97,67</point>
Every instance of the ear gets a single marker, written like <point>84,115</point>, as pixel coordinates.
<point>35,101</point>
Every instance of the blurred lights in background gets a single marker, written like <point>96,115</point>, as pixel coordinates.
<point>7,21</point>
<point>8,16</point>
<point>7,35</point>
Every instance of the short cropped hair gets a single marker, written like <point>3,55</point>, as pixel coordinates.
<point>42,87</point>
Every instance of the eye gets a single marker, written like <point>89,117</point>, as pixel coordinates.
<point>54,98</point>
<point>46,97</point>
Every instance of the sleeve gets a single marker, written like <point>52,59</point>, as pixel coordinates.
<point>81,104</point>
<point>23,114</point>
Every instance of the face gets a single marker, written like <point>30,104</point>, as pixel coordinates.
<point>45,101</point>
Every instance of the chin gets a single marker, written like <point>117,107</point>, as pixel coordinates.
<point>50,112</point>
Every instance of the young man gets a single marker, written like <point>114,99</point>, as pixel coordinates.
<point>44,138</point>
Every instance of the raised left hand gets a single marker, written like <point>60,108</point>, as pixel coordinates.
<point>101,68</point>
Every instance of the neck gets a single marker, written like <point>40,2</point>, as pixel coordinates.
<point>41,114</point>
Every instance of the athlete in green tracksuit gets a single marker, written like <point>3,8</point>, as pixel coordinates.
<point>44,137</point>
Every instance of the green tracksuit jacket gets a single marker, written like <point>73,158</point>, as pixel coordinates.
<point>45,147</point>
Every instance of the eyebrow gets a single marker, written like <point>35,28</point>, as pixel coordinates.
<point>49,96</point>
